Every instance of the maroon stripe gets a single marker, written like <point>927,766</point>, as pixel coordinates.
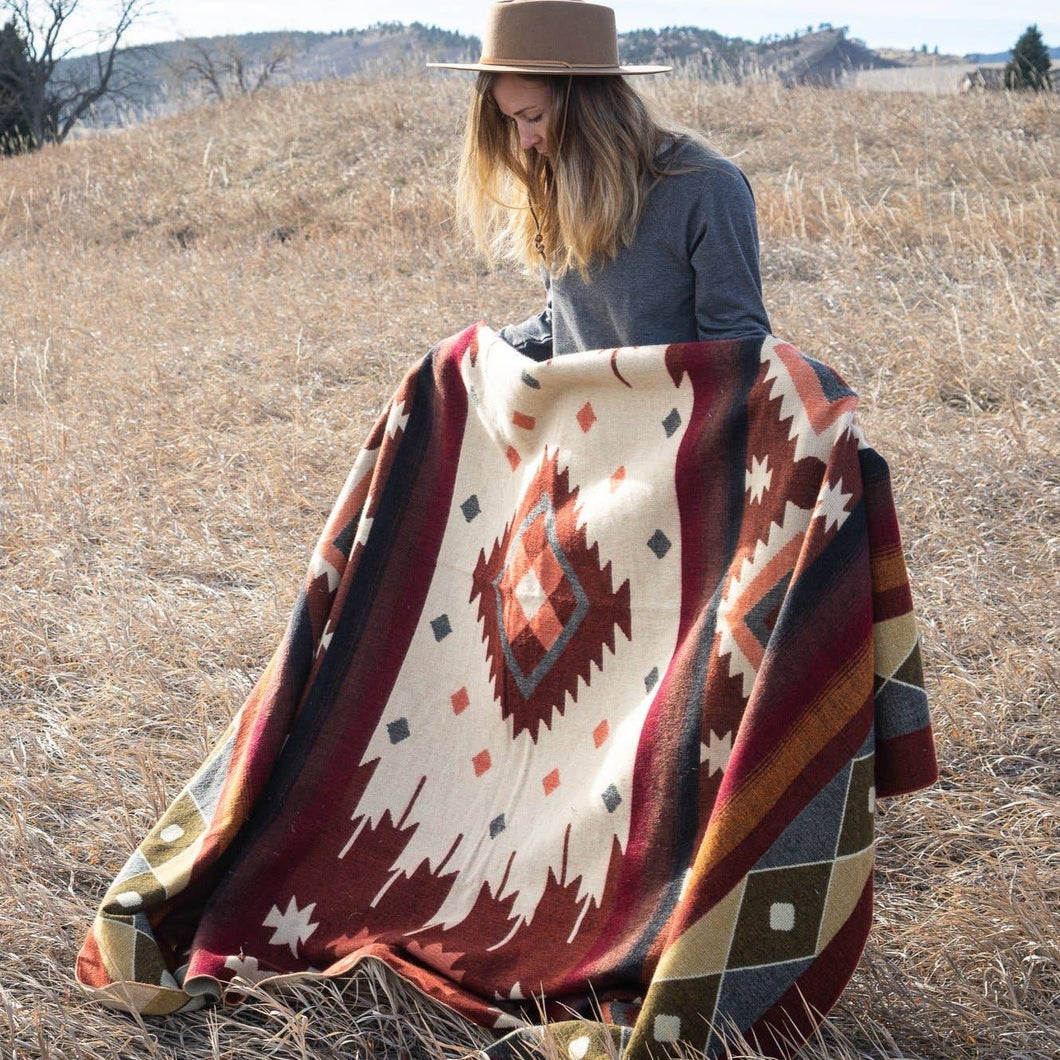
<point>703,472</point>
<point>906,763</point>
<point>892,603</point>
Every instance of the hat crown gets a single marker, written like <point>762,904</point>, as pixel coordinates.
<point>551,37</point>
<point>550,33</point>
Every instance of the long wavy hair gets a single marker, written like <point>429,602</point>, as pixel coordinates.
<point>577,206</point>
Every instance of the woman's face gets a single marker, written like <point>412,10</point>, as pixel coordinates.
<point>525,101</point>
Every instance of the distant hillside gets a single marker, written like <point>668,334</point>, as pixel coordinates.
<point>161,77</point>
<point>172,76</point>
<point>1003,57</point>
<point>818,57</point>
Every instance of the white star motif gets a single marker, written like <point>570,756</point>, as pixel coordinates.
<point>364,525</point>
<point>397,419</point>
<point>245,967</point>
<point>325,639</point>
<point>716,753</point>
<point>831,505</point>
<point>292,927</point>
<point>320,566</point>
<point>758,477</point>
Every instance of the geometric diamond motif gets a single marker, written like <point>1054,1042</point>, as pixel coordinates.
<point>814,833</point>
<point>398,730</point>
<point>755,595</point>
<point>831,385</point>
<point>546,604</point>
<point>547,584</point>
<point>762,617</point>
<point>460,701</point>
<point>671,423</point>
<point>659,544</point>
<point>684,1002</point>
<point>901,706</point>
<point>471,507</point>
<point>857,830</point>
<point>802,888</point>
<point>747,994</point>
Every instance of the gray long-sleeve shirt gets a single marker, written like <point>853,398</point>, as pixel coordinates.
<point>691,272</point>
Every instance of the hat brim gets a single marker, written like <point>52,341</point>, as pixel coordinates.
<point>540,71</point>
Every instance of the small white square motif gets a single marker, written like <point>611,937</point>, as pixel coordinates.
<point>579,1047</point>
<point>782,916</point>
<point>667,1028</point>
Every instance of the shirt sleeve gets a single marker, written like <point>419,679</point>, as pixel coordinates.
<point>533,337</point>
<point>723,250</point>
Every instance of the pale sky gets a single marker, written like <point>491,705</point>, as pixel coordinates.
<point>956,26</point>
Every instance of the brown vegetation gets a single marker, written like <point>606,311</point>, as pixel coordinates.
<point>201,317</point>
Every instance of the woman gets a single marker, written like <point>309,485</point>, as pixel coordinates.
<point>643,233</point>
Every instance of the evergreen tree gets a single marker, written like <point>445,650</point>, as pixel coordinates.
<point>1029,65</point>
<point>14,128</point>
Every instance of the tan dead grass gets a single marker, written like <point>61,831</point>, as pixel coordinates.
<point>198,321</point>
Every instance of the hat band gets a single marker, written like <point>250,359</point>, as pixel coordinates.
<point>557,64</point>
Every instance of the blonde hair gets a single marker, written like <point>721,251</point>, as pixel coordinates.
<point>585,199</point>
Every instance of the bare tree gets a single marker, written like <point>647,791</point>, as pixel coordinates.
<point>51,99</point>
<point>225,68</point>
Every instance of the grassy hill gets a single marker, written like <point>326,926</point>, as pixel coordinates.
<point>166,77</point>
<point>202,316</point>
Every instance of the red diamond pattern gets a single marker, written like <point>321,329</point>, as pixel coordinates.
<point>520,419</point>
<point>618,478</point>
<point>514,459</point>
<point>547,604</point>
<point>530,635</point>
<point>461,701</point>
<point>481,762</point>
<point>551,782</point>
<point>586,417</point>
<point>601,733</point>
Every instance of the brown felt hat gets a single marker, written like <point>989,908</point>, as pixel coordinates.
<point>551,37</point>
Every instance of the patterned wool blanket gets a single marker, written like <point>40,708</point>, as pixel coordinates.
<point>599,667</point>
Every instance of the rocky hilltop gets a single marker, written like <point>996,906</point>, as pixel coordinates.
<point>820,57</point>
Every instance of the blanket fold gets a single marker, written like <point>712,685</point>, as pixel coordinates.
<point>597,671</point>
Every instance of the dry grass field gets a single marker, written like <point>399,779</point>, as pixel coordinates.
<point>199,318</point>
